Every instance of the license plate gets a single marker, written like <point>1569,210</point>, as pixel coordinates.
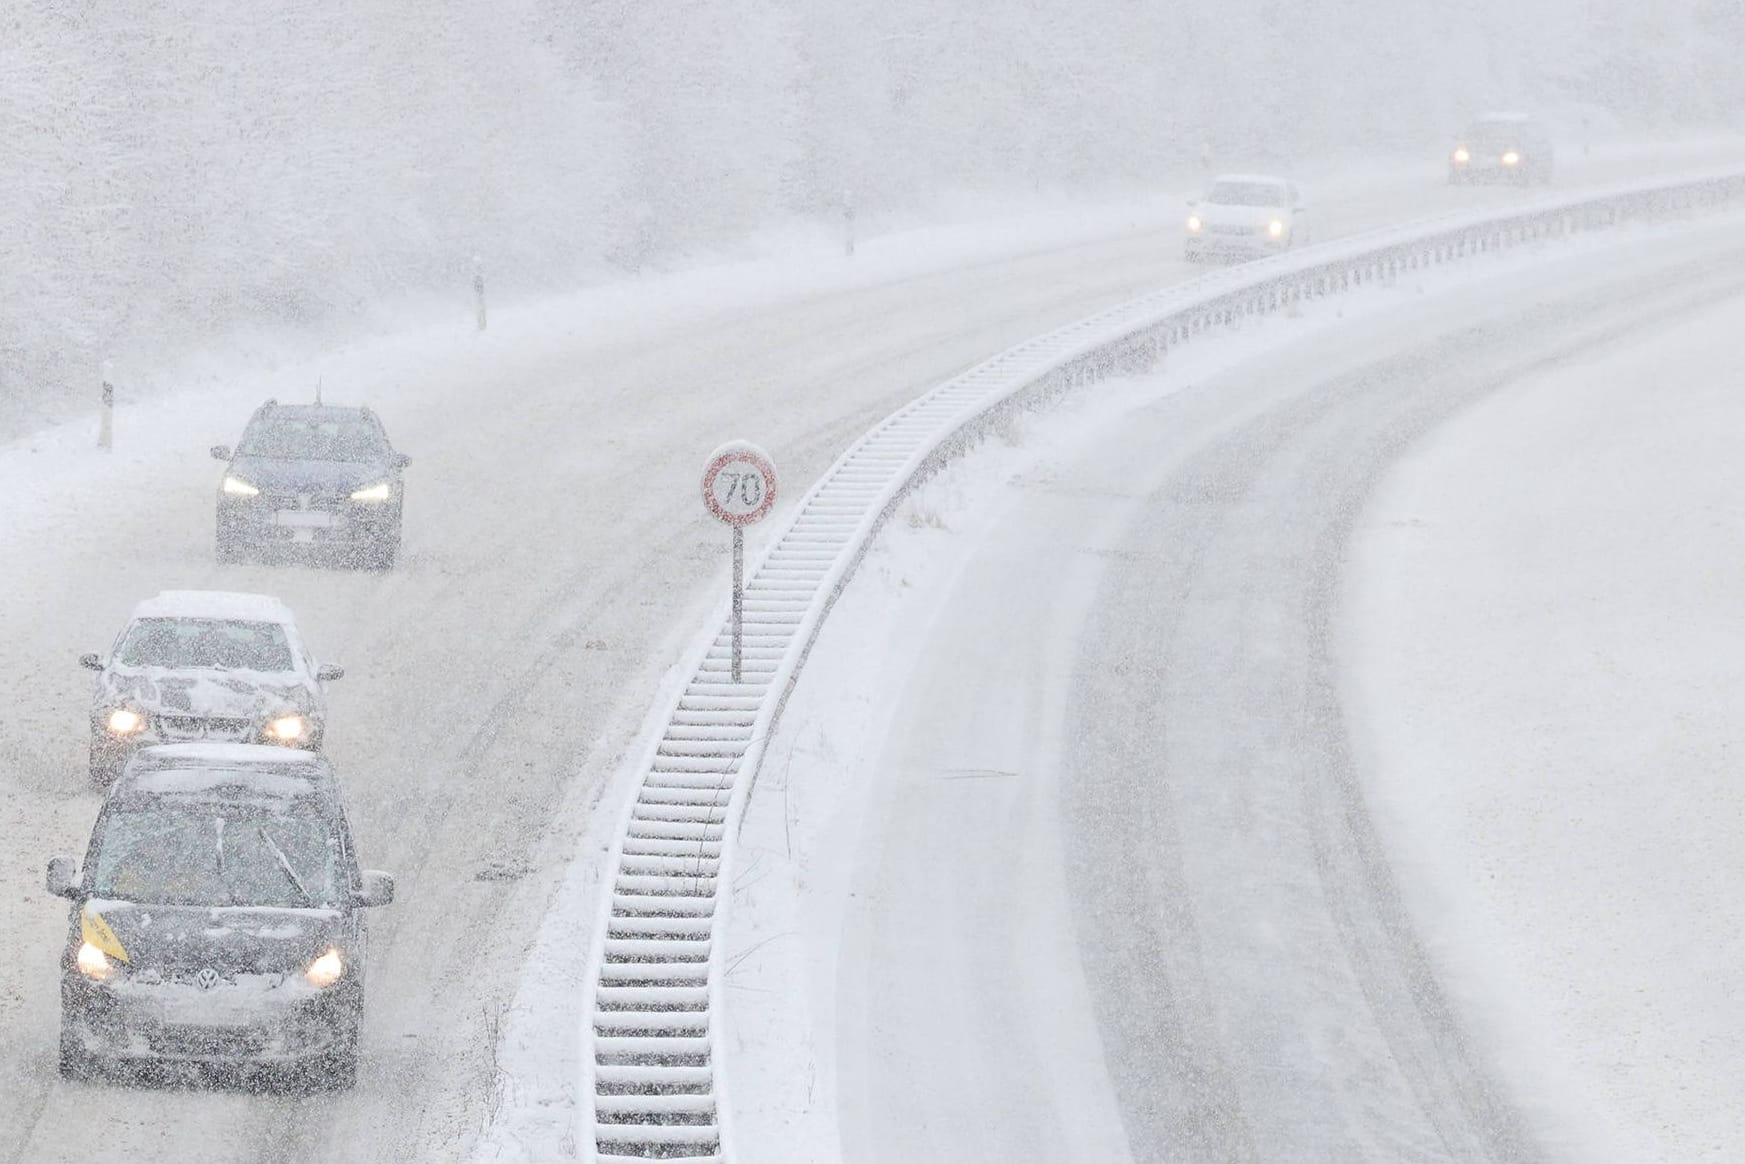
<point>304,519</point>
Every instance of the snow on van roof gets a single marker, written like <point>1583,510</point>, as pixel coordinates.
<point>202,753</point>
<point>224,604</point>
<point>316,411</point>
<point>196,768</point>
<point>253,782</point>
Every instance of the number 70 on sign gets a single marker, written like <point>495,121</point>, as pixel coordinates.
<point>739,484</point>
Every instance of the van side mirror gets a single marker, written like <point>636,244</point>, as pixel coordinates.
<point>328,671</point>
<point>63,878</point>
<point>221,452</point>
<point>401,460</point>
<point>91,661</point>
<point>375,888</point>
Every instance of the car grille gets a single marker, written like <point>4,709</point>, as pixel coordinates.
<point>203,727</point>
<point>214,1042</point>
<point>316,502</point>
<point>1236,230</point>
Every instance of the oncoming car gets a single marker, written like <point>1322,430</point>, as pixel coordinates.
<point>217,917</point>
<point>1501,147</point>
<point>205,665</point>
<point>311,477</point>
<point>1245,216</point>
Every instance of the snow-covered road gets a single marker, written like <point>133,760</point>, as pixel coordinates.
<point>1546,601</point>
<point>554,550</point>
<point>1120,710</point>
<point>555,557</point>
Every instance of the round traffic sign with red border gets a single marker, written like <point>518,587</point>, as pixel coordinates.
<point>739,484</point>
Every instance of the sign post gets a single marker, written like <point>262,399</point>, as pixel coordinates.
<point>739,487</point>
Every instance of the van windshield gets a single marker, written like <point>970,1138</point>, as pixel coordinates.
<point>177,851</point>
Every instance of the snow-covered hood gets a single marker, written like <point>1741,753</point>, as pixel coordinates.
<point>208,692</point>
<point>169,939</point>
<point>310,476</point>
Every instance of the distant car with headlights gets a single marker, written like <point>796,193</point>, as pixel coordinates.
<point>205,665</point>
<point>1502,147</point>
<point>1246,216</point>
<point>311,477</point>
<point>217,918</point>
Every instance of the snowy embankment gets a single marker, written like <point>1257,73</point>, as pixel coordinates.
<point>1548,665</point>
<point>921,1000</point>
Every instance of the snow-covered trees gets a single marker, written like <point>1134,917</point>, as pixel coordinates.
<point>172,170</point>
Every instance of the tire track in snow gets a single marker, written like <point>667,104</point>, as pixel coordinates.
<point>1259,988</point>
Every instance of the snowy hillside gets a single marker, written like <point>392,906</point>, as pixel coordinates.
<point>185,171</point>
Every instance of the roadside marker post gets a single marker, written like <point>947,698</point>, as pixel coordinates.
<point>739,489</point>
<point>479,292</point>
<point>106,425</point>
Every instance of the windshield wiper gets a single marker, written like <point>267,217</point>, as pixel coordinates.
<point>285,864</point>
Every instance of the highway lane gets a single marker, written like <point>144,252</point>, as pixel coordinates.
<point>1181,775</point>
<point>553,544</point>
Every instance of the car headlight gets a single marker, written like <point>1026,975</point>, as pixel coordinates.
<point>1194,224</point>
<point>382,492</point>
<point>94,963</point>
<point>237,487</point>
<point>325,970</point>
<point>288,728</point>
<point>124,721</point>
<point>1275,228</point>
<point>1462,155</point>
<point>1512,158</point>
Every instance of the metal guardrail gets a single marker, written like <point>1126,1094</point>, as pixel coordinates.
<point>652,1061</point>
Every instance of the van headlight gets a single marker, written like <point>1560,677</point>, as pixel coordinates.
<point>1462,155</point>
<point>1275,228</point>
<point>1194,224</point>
<point>237,487</point>
<point>1512,158</point>
<point>325,970</point>
<point>381,492</point>
<point>94,963</point>
<point>124,721</point>
<point>287,729</point>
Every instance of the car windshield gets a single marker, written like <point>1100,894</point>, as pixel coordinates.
<point>222,644</point>
<point>1493,133</point>
<point>1246,194</point>
<point>179,851</point>
<point>327,438</point>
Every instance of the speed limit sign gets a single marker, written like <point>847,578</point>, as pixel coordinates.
<point>739,484</point>
<point>739,487</point>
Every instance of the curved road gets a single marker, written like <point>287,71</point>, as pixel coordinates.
<point>553,545</point>
<point>1126,716</point>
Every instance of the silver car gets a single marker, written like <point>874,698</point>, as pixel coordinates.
<point>205,665</point>
<point>1246,216</point>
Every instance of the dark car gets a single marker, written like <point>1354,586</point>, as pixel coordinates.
<point>1502,147</point>
<point>205,665</point>
<point>217,918</point>
<point>311,477</point>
